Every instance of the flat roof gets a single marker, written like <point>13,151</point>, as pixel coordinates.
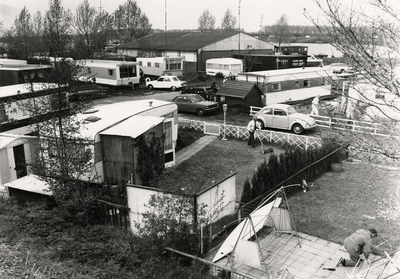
<point>112,114</point>
<point>134,126</point>
<point>22,67</point>
<point>30,183</point>
<point>104,63</point>
<point>296,94</point>
<point>7,138</point>
<point>24,88</point>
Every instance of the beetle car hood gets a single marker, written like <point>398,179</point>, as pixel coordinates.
<point>304,117</point>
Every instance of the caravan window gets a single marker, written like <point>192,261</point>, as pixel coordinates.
<point>174,65</point>
<point>127,71</point>
<point>148,64</point>
<point>157,65</point>
<point>276,86</point>
<point>110,72</point>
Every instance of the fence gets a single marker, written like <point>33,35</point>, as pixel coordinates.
<point>108,213</point>
<point>265,136</point>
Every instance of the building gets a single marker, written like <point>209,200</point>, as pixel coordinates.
<point>239,94</point>
<point>14,71</point>
<point>160,66</point>
<point>196,47</point>
<point>110,72</point>
<point>113,132</point>
<point>17,101</point>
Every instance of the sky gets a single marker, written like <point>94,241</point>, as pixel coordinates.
<point>183,14</point>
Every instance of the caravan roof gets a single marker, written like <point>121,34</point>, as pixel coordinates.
<point>224,61</point>
<point>105,63</point>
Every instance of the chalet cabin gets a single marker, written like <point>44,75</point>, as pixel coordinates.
<point>110,72</point>
<point>16,102</point>
<point>239,94</point>
<point>159,66</point>
<point>19,71</point>
<point>114,131</point>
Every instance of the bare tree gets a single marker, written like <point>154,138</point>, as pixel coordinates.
<point>85,19</point>
<point>57,28</point>
<point>130,23</point>
<point>206,21</point>
<point>370,42</point>
<point>281,30</point>
<point>228,21</point>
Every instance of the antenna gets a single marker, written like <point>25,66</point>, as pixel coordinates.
<point>261,26</point>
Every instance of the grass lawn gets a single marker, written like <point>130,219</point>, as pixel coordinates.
<point>362,196</point>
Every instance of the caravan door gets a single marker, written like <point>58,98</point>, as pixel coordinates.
<point>169,148</point>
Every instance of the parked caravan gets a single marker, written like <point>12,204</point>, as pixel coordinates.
<point>110,72</point>
<point>159,66</point>
<point>13,71</point>
<point>227,66</point>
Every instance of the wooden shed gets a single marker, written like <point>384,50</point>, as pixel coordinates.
<point>240,94</point>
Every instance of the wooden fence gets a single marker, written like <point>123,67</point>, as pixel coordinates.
<point>113,214</point>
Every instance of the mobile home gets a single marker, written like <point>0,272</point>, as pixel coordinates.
<point>110,72</point>
<point>227,66</point>
<point>160,66</point>
<point>112,131</point>
<point>14,71</point>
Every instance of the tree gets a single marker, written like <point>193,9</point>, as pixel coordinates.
<point>57,28</point>
<point>206,21</point>
<point>85,24</point>
<point>20,36</point>
<point>130,23</point>
<point>280,30</point>
<point>228,21</point>
<point>38,31</point>
<point>369,42</point>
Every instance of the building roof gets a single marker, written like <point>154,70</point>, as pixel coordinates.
<point>237,89</point>
<point>134,126</point>
<point>186,41</point>
<point>104,63</point>
<point>25,88</point>
<point>103,117</point>
<point>7,138</point>
<point>30,183</point>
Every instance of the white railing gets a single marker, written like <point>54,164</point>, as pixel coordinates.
<point>264,136</point>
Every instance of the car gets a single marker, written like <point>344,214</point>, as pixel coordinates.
<point>339,68</point>
<point>166,82</point>
<point>195,103</point>
<point>282,116</point>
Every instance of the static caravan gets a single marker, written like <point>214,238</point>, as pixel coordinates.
<point>15,100</point>
<point>160,66</point>
<point>227,66</point>
<point>14,71</point>
<point>113,131</point>
<point>110,72</point>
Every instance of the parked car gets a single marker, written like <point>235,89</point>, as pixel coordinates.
<point>195,103</point>
<point>166,82</point>
<point>339,68</point>
<point>282,116</point>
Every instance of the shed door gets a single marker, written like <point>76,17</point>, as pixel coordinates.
<point>169,151</point>
<point>20,161</point>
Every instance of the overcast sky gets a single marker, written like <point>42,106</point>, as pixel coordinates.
<point>183,14</point>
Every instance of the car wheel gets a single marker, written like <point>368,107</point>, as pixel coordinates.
<point>151,87</point>
<point>297,129</point>
<point>260,124</point>
<point>173,88</point>
<point>200,112</point>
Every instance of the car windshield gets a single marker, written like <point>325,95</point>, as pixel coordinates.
<point>291,110</point>
<point>197,98</point>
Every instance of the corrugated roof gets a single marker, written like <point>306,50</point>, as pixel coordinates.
<point>236,89</point>
<point>189,41</point>
<point>134,126</point>
<point>30,183</point>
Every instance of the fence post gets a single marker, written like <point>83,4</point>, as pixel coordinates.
<point>306,143</point>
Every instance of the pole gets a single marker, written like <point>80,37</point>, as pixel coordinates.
<point>225,108</point>
<point>239,27</point>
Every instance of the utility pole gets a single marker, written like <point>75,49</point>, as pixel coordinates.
<point>239,27</point>
<point>165,32</point>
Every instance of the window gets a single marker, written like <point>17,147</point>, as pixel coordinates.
<point>297,84</point>
<point>167,79</point>
<point>267,111</point>
<point>127,71</point>
<point>306,83</point>
<point>157,65</point>
<point>148,64</point>
<point>279,112</point>
<point>168,135</point>
<point>226,67</point>
<point>110,72</point>
<point>140,63</point>
<point>322,81</point>
<point>209,65</point>
<point>276,86</point>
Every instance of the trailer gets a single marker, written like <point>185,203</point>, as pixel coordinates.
<point>227,66</point>
<point>110,72</point>
<point>153,67</point>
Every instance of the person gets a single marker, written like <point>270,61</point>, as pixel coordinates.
<point>251,127</point>
<point>359,246</point>
<point>314,106</point>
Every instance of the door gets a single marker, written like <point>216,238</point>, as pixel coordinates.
<point>169,148</point>
<point>280,119</point>
<point>20,161</point>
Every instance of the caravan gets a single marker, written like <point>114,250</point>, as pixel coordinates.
<point>227,66</point>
